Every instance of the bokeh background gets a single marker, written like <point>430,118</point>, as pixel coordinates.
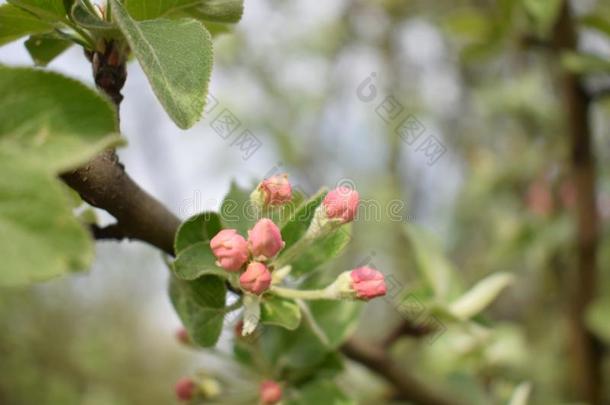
<point>499,197</point>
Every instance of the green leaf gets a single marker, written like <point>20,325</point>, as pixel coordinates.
<point>521,394</point>
<point>296,225</point>
<point>480,296</point>
<point>543,12</point>
<point>200,306</point>
<point>223,11</point>
<point>54,10</point>
<point>16,23</point>
<point>598,318</point>
<point>320,391</point>
<point>337,319</point>
<point>199,228</point>
<point>176,56</point>
<point>86,18</point>
<point>48,123</point>
<point>44,48</point>
<point>236,210</point>
<point>51,121</point>
<point>431,263</point>
<point>322,250</point>
<point>583,63</point>
<point>597,22</point>
<point>281,312</point>
<point>39,236</point>
<point>195,261</point>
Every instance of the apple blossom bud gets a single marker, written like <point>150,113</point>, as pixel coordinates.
<point>256,279</point>
<point>270,392</point>
<point>265,240</point>
<point>367,283</point>
<point>185,389</point>
<point>230,249</point>
<point>341,203</point>
<point>275,190</point>
<point>183,336</point>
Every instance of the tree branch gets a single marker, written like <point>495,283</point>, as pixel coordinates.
<point>585,348</point>
<point>376,360</point>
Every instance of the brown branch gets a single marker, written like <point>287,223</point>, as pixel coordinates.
<point>103,182</point>
<point>585,348</point>
<point>406,328</point>
<point>407,388</point>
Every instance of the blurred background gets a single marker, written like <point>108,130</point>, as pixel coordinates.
<point>447,114</point>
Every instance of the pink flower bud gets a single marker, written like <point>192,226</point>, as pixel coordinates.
<point>341,203</point>
<point>185,389</point>
<point>256,279</point>
<point>270,392</point>
<point>265,240</point>
<point>183,336</point>
<point>230,249</point>
<point>368,283</point>
<point>276,190</point>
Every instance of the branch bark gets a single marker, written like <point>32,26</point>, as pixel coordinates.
<point>103,182</point>
<point>585,348</point>
<point>407,388</point>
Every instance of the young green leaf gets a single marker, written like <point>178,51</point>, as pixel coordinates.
<point>432,264</point>
<point>480,296</point>
<point>321,391</point>
<point>176,56</point>
<point>322,251</point>
<point>195,261</point>
<point>200,305</point>
<point>222,11</point>
<point>52,122</point>
<point>296,225</point>
<point>39,236</point>
<point>281,312</point>
<point>585,63</point>
<point>51,10</point>
<point>236,210</point>
<point>46,47</point>
<point>86,18</point>
<point>16,23</point>
<point>338,319</point>
<point>227,11</point>
<point>199,228</point>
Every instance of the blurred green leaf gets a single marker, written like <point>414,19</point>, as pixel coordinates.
<point>176,56</point>
<point>280,312</point>
<point>296,225</point>
<point>322,250</point>
<point>236,210</point>
<point>199,228</point>
<point>39,236</point>
<point>597,22</point>
<point>480,295</point>
<point>432,264</point>
<point>598,318</point>
<point>543,12</point>
<point>337,319</point>
<point>47,9</point>
<point>521,394</point>
<point>16,23</point>
<point>220,11</point>
<point>51,121</point>
<point>200,306</point>
<point>320,392</point>
<point>213,10</point>
<point>584,63</point>
<point>44,48</point>
<point>195,261</point>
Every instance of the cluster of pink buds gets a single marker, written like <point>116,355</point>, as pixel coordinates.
<point>233,253</point>
<point>270,392</point>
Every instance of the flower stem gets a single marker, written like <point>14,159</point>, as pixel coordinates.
<point>303,294</point>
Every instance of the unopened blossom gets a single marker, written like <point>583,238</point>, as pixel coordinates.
<point>185,389</point>
<point>230,249</point>
<point>183,336</point>
<point>367,283</point>
<point>256,279</point>
<point>275,190</point>
<point>341,203</point>
<point>270,392</point>
<point>265,240</point>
